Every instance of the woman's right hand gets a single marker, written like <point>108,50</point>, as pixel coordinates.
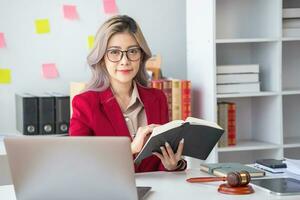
<point>142,135</point>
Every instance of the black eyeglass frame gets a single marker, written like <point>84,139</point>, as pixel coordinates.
<point>126,53</point>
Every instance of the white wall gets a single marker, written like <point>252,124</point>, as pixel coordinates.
<point>162,21</point>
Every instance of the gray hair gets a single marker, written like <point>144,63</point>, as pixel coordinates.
<point>116,24</point>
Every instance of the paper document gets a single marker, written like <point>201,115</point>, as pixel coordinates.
<point>293,165</point>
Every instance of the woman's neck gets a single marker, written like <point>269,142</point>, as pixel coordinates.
<point>122,90</point>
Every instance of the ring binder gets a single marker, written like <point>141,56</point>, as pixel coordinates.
<point>27,113</point>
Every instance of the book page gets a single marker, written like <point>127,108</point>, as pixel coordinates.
<point>196,121</point>
<point>167,126</point>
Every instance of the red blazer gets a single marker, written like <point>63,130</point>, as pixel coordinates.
<point>99,114</point>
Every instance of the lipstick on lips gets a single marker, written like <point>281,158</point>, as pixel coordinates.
<point>124,71</point>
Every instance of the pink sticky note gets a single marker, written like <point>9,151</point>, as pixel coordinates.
<point>2,41</point>
<point>50,71</point>
<point>110,6</point>
<point>70,12</point>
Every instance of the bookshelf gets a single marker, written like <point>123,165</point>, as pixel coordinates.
<point>226,32</point>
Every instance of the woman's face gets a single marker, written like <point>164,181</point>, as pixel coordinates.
<point>122,66</point>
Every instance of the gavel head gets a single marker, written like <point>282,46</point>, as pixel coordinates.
<point>237,179</point>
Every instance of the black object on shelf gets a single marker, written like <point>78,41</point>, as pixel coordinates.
<point>27,114</point>
<point>272,163</point>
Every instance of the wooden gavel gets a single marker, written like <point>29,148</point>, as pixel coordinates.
<point>234,179</point>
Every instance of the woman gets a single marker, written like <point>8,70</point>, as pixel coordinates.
<point>116,101</point>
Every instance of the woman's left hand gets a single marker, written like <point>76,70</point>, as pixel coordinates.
<point>168,158</point>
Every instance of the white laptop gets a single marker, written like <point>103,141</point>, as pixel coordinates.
<point>72,168</point>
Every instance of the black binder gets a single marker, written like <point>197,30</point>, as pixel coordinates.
<point>27,114</point>
<point>62,115</point>
<point>46,114</point>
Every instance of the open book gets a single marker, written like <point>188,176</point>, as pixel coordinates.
<point>200,137</point>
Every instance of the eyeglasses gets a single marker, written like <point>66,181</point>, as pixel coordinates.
<point>115,55</point>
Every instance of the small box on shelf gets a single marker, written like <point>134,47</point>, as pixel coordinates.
<point>291,22</point>
<point>291,13</point>
<point>237,79</point>
<point>238,88</point>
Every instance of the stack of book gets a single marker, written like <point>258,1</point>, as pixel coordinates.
<point>291,22</point>
<point>178,93</point>
<point>227,120</point>
<point>238,78</point>
<point>222,169</point>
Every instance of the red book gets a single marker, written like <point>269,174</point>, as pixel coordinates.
<point>186,99</point>
<point>231,124</point>
<point>167,88</point>
<point>158,84</point>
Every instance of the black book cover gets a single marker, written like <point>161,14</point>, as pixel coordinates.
<point>200,137</point>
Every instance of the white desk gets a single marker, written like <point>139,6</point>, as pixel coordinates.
<point>169,185</point>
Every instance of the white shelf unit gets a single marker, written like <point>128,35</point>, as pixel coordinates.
<point>291,120</point>
<point>221,32</point>
<point>291,90</point>
<point>290,65</point>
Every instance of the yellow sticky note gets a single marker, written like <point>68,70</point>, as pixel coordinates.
<point>5,77</point>
<point>42,26</point>
<point>91,40</point>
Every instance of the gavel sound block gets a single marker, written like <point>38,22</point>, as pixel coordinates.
<point>237,182</point>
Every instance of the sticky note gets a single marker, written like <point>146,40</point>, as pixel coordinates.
<point>49,71</point>
<point>91,40</point>
<point>70,12</point>
<point>110,6</point>
<point>42,26</point>
<point>5,76</point>
<point>2,41</point>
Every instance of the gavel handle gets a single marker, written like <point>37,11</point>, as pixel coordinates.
<point>205,179</point>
